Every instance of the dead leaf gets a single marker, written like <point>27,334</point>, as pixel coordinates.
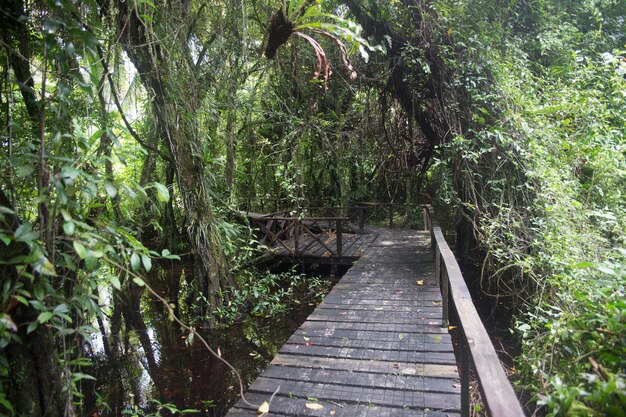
<point>314,406</point>
<point>437,303</point>
<point>378,308</point>
<point>309,343</point>
<point>420,282</point>
<point>332,413</point>
<point>451,327</point>
<point>264,408</point>
<point>401,336</point>
<point>306,338</point>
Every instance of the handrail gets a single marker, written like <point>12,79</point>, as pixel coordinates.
<point>357,209</point>
<point>277,230</point>
<point>499,396</point>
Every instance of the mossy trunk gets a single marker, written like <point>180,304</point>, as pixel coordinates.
<point>177,91</point>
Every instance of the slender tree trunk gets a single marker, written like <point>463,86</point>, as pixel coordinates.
<point>172,80</point>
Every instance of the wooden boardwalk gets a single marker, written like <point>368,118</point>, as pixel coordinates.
<point>373,347</point>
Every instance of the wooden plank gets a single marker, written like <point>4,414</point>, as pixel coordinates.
<point>377,327</point>
<point>294,406</point>
<point>348,394</point>
<point>431,370</point>
<point>398,380</point>
<point>401,343</point>
<point>415,337</point>
<point>443,358</point>
<point>375,316</point>
<point>355,301</point>
<point>434,307</point>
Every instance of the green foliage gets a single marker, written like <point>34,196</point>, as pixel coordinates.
<point>577,346</point>
<point>157,408</point>
<point>270,295</point>
<point>539,173</point>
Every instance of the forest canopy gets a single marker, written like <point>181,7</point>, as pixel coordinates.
<point>135,131</point>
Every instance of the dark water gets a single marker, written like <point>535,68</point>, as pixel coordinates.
<point>189,376</point>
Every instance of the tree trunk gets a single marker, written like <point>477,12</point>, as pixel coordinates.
<point>177,91</point>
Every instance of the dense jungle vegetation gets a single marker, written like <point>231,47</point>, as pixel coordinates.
<point>132,131</point>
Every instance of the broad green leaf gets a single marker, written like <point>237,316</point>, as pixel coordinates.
<point>24,171</point>
<point>61,308</point>
<point>115,281</point>
<point>69,228</point>
<point>147,262</point>
<point>6,239</point>
<point>139,281</point>
<point>66,216</point>
<point>80,249</point>
<point>77,376</point>
<point>32,326</point>
<point>96,135</point>
<point>44,317</point>
<point>135,261</point>
<point>168,255</point>
<point>110,189</point>
<point>163,193</point>
<point>24,233</point>
<point>45,267</point>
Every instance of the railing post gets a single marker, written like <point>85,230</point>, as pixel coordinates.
<point>391,216</point>
<point>361,220</point>
<point>464,374</point>
<point>339,239</point>
<point>425,213</point>
<point>296,235</point>
<point>445,289</point>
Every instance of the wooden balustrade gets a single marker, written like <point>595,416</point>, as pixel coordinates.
<point>276,230</point>
<point>476,347</point>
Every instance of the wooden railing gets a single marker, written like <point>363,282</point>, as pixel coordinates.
<point>296,230</point>
<point>279,231</point>
<point>497,392</point>
<point>359,214</point>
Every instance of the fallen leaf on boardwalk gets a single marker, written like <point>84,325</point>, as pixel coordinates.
<point>306,338</point>
<point>437,303</point>
<point>451,327</point>
<point>264,408</point>
<point>409,371</point>
<point>401,336</point>
<point>309,343</point>
<point>332,413</point>
<point>420,282</point>
<point>378,308</point>
<point>314,406</point>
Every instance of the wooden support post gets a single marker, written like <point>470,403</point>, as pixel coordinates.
<point>361,220</point>
<point>391,216</point>
<point>339,239</point>
<point>296,235</point>
<point>425,213</point>
<point>438,274</point>
<point>464,374</point>
<point>445,289</point>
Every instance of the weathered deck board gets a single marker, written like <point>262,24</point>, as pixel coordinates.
<point>373,347</point>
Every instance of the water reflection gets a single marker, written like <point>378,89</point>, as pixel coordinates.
<point>158,360</point>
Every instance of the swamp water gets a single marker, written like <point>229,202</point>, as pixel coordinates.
<point>189,376</point>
